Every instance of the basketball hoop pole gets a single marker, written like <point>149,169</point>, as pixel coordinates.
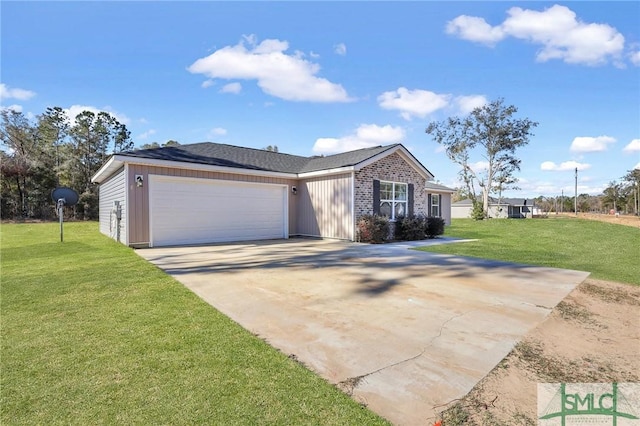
<point>60,215</point>
<point>63,196</point>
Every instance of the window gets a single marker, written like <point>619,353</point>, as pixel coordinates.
<point>393,199</point>
<point>435,205</point>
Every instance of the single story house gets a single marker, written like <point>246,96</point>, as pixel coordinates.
<point>209,192</point>
<point>514,208</point>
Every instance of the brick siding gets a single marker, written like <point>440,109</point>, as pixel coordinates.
<point>392,168</point>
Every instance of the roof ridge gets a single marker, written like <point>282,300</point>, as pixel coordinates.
<point>249,148</point>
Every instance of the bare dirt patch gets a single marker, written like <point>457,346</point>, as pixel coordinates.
<point>626,220</point>
<point>593,335</point>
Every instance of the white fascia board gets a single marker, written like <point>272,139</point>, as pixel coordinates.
<point>200,167</point>
<point>114,163</point>
<point>327,172</point>
<point>439,191</point>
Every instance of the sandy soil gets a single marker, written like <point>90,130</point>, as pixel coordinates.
<point>627,220</point>
<point>593,335</point>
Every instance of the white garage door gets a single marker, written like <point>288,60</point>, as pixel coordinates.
<point>196,211</point>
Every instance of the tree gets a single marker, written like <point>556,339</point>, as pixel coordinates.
<point>632,181</point>
<point>36,155</point>
<point>53,129</point>
<point>153,145</point>
<point>612,196</point>
<point>583,203</point>
<point>18,137</point>
<point>505,179</point>
<point>491,132</point>
<point>272,148</point>
<point>93,138</point>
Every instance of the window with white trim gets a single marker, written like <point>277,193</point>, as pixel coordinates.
<point>435,205</point>
<point>393,199</point>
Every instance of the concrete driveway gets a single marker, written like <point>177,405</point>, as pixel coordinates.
<point>402,331</point>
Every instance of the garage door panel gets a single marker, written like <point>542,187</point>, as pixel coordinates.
<point>193,211</point>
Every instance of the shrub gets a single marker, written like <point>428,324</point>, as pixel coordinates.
<point>373,228</point>
<point>434,227</point>
<point>477,212</point>
<point>410,228</point>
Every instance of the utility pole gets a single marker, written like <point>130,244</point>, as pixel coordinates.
<point>575,199</point>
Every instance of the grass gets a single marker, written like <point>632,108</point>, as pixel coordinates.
<point>608,251</point>
<point>93,334</point>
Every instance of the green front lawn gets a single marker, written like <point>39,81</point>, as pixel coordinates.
<point>608,251</point>
<point>93,334</point>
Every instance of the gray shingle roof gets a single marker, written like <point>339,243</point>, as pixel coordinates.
<point>216,154</point>
<point>438,187</point>
<point>344,159</point>
<point>518,201</point>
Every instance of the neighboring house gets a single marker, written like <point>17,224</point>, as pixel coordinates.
<point>208,192</point>
<point>515,208</point>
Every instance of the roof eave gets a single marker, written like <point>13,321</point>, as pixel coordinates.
<point>114,163</point>
<point>443,190</point>
<point>326,172</point>
<point>118,160</point>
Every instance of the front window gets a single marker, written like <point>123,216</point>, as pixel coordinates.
<point>435,205</point>
<point>393,199</point>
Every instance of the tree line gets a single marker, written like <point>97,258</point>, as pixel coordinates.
<point>492,134</point>
<point>51,150</point>
<point>620,196</point>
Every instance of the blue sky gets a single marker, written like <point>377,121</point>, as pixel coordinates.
<point>317,78</point>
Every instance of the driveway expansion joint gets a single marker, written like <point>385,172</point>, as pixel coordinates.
<point>351,383</point>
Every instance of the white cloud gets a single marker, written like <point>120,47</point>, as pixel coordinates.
<point>74,110</point>
<point>340,49</point>
<point>14,93</point>
<point>634,57</point>
<point>367,135</point>
<point>207,83</point>
<point>146,134</point>
<point>479,166</point>
<point>413,103</point>
<point>476,29</point>
<point>234,88</point>
<point>466,104</point>
<point>550,166</point>
<point>557,30</point>
<point>420,103</point>
<point>591,144</point>
<point>633,146</point>
<point>216,132</point>
<point>288,77</point>
<point>14,107</point>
